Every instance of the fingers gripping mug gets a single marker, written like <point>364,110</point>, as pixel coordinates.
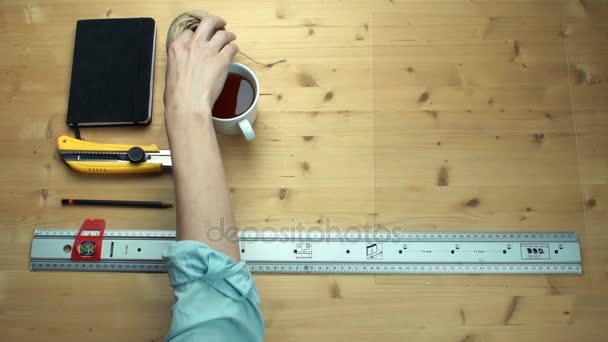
<point>235,110</point>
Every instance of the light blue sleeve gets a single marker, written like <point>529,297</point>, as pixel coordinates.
<point>216,299</point>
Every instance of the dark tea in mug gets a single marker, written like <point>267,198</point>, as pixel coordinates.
<point>235,99</point>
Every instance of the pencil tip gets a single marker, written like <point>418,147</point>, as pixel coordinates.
<point>167,205</point>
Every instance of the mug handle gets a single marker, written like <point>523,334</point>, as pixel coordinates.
<point>247,129</point>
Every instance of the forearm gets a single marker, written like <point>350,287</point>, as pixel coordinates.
<point>204,212</point>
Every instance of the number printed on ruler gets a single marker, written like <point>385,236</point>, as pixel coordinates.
<point>303,250</point>
<point>535,251</point>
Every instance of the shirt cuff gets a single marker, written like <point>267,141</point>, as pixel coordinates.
<point>191,261</point>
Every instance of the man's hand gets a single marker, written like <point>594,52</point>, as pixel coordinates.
<point>197,66</point>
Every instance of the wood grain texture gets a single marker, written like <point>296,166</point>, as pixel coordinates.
<point>585,42</point>
<point>431,115</point>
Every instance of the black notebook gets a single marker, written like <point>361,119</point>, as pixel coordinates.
<point>112,72</point>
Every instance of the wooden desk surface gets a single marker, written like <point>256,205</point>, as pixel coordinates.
<point>412,115</point>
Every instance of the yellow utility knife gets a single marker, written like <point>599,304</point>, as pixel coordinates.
<point>89,157</point>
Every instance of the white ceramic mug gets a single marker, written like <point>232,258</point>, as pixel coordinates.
<point>242,123</point>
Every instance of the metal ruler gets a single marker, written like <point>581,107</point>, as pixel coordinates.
<point>328,252</point>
